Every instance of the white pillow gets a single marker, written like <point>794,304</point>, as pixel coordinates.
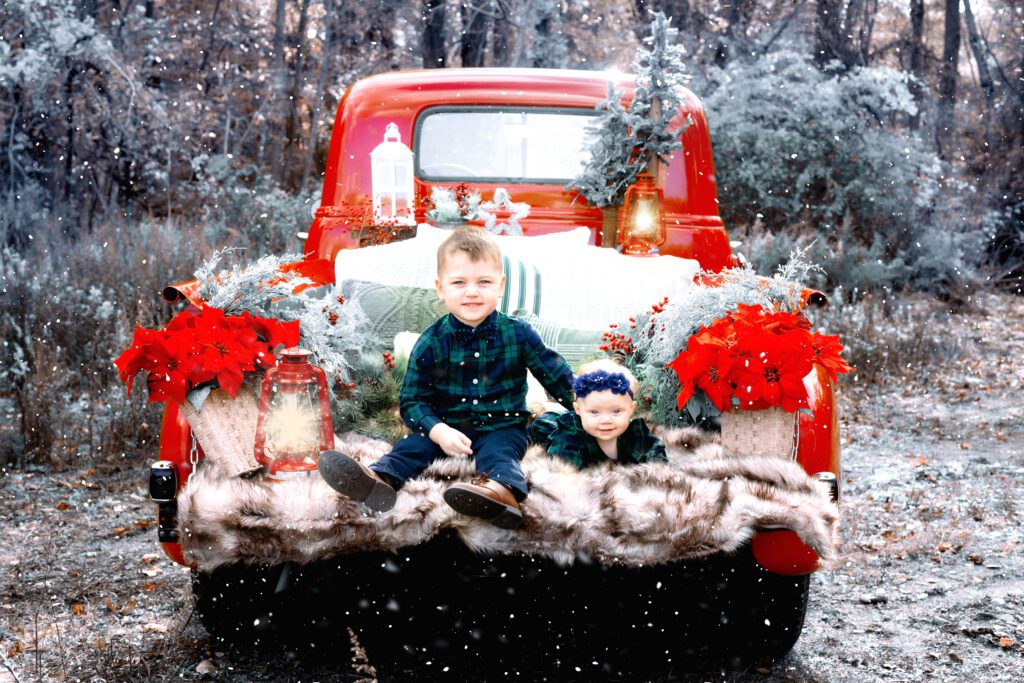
<point>513,246</point>
<point>591,287</point>
<point>413,263</point>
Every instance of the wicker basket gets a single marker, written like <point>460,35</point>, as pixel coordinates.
<point>771,432</point>
<point>226,429</point>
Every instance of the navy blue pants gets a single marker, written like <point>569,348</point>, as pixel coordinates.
<point>496,454</point>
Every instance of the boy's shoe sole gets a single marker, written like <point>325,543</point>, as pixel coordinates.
<point>349,478</point>
<point>475,504</point>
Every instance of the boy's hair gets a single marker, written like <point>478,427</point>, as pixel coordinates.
<point>475,243</point>
<point>611,367</point>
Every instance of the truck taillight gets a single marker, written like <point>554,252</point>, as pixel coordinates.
<point>163,489</point>
<point>163,481</point>
<point>641,224</point>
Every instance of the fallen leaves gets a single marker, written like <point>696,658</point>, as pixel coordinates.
<point>78,609</point>
<point>134,527</point>
<point>154,628</point>
<point>1005,641</point>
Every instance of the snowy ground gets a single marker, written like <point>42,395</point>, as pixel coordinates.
<point>931,586</point>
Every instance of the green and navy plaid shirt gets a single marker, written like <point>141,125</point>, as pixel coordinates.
<point>565,438</point>
<point>474,378</point>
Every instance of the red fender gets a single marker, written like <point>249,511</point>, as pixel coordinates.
<point>175,446</point>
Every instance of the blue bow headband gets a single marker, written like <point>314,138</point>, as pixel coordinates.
<point>599,380</point>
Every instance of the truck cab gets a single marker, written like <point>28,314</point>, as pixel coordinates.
<point>523,130</point>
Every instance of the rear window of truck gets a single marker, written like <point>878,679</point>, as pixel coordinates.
<point>494,144</point>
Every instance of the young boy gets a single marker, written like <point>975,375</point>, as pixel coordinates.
<point>600,429</point>
<point>464,393</point>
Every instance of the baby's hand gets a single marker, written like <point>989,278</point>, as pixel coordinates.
<point>451,440</point>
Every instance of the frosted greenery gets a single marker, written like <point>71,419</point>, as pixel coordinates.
<point>659,338</point>
<point>806,152</point>
<point>241,205</point>
<point>447,209</point>
<point>330,330</point>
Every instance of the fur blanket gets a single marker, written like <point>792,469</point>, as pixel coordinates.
<point>701,502</point>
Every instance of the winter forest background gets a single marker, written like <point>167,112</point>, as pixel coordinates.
<point>137,136</point>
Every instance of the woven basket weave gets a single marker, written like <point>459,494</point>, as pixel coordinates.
<point>226,429</point>
<point>771,432</point>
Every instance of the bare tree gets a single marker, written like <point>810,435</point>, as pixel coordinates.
<point>915,51</point>
<point>724,44</point>
<point>945,121</point>
<point>298,69</point>
<point>326,51</point>
<point>277,91</point>
<point>977,48</point>
<point>433,34</point>
<point>843,32</point>
<point>476,22</point>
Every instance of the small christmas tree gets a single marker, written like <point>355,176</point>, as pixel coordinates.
<point>628,140</point>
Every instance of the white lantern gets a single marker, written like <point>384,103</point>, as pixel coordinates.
<point>391,178</point>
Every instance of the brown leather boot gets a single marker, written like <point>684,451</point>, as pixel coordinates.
<point>350,478</point>
<point>487,499</point>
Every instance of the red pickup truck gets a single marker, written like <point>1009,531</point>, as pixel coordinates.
<point>520,130</point>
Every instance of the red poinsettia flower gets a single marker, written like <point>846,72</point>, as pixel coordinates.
<point>275,332</point>
<point>133,359</point>
<point>757,358</point>
<point>704,366</point>
<point>826,350</point>
<point>223,351</point>
<point>772,369</point>
<point>775,322</point>
<point>720,335</point>
<point>172,365</point>
<point>200,345</point>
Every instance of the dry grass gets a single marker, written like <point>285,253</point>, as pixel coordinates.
<point>888,339</point>
<point>69,307</point>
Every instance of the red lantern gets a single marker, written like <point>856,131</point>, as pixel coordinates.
<point>641,228</point>
<point>294,423</point>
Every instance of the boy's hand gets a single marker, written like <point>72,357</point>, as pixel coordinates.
<point>451,440</point>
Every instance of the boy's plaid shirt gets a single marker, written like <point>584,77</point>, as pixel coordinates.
<point>565,438</point>
<point>474,378</point>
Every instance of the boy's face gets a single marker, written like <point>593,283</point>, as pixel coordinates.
<point>605,414</point>
<point>470,289</point>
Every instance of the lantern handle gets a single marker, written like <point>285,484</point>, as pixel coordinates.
<point>391,133</point>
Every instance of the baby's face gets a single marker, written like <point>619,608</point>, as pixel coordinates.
<point>604,414</point>
<point>470,289</point>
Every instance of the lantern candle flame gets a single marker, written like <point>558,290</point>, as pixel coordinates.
<point>641,227</point>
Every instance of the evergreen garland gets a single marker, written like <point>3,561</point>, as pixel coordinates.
<point>661,333</point>
<point>328,328</point>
